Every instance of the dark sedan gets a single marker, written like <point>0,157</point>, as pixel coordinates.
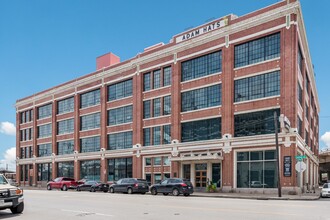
<point>176,186</point>
<point>130,185</point>
<point>93,186</point>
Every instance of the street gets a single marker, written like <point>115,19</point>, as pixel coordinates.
<point>40,204</point>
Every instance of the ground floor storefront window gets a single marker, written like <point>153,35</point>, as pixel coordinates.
<point>256,169</point>
<point>90,170</point>
<point>44,172</point>
<point>119,168</point>
<point>65,169</point>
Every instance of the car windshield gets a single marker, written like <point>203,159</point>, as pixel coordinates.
<point>3,180</point>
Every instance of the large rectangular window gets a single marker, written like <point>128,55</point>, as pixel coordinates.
<point>256,169</point>
<point>65,147</point>
<point>122,140</point>
<point>146,137</point>
<point>300,94</point>
<point>201,130</point>
<point>45,111</point>
<point>258,50</point>
<point>146,109</point>
<point>26,134</point>
<point>201,66</point>
<point>91,121</point>
<point>167,77</point>
<point>65,169</point>
<point>90,144</point>
<point>120,115</point>
<point>44,171</point>
<point>120,168</point>
<point>65,126</point>
<point>156,107</point>
<point>120,90</point>
<point>156,77</point>
<point>146,81</point>
<point>167,105</point>
<point>255,123</point>
<point>90,170</point>
<point>160,135</point>
<point>201,98</point>
<point>256,87</point>
<point>45,131</point>
<point>66,105</point>
<point>300,59</point>
<point>90,98</point>
<point>156,135</point>
<point>44,150</point>
<point>26,116</point>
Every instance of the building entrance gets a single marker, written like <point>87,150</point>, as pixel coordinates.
<point>201,175</point>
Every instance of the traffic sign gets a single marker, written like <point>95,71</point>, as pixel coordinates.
<point>300,157</point>
<point>300,166</point>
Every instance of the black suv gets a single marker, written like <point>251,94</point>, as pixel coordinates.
<point>130,185</point>
<point>176,186</point>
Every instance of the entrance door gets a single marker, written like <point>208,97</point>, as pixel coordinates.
<point>201,175</point>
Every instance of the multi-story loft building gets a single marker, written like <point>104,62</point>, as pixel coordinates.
<point>200,107</point>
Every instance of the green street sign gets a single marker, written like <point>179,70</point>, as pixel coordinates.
<point>300,157</point>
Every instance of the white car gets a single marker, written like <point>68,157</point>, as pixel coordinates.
<point>325,191</point>
<point>11,197</point>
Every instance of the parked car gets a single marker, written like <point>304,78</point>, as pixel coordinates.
<point>325,191</point>
<point>12,182</point>
<point>176,186</point>
<point>11,197</point>
<point>130,185</point>
<point>258,184</point>
<point>93,186</point>
<point>63,183</point>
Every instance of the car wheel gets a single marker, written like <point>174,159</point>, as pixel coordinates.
<point>143,193</point>
<point>49,187</point>
<point>78,189</point>
<point>186,194</point>
<point>153,191</point>
<point>18,209</point>
<point>64,188</point>
<point>175,192</point>
<point>129,190</point>
<point>105,190</point>
<point>112,190</point>
<point>165,194</point>
<point>93,189</point>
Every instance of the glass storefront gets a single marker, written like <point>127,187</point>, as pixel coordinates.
<point>90,170</point>
<point>65,169</point>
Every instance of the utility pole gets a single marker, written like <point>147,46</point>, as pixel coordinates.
<point>278,156</point>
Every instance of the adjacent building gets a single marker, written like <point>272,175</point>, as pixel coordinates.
<point>200,107</point>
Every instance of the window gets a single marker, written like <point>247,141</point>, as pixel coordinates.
<point>256,87</point>
<point>255,123</point>
<point>120,115</point>
<point>26,134</point>
<point>120,90</point>
<point>157,161</point>
<point>90,144</point>
<point>201,98</point>
<point>119,141</point>
<point>300,59</point>
<point>201,66</point>
<point>256,169</point>
<point>44,131</point>
<point>90,170</point>
<point>65,169</point>
<point>91,121</point>
<point>44,172</point>
<point>90,98</point>
<point>156,77</point>
<point>119,168</point>
<point>65,147</point>
<point>307,137</point>
<point>167,105</point>
<point>45,111</point>
<point>65,126</point>
<point>167,76</point>
<point>147,82</point>
<point>300,95</point>
<point>146,109</point>
<point>299,126</point>
<point>201,130</point>
<point>26,116</point>
<point>306,112</point>
<point>166,161</point>
<point>44,150</point>
<point>258,50</point>
<point>148,162</point>
<point>160,135</point>
<point>156,107</point>
<point>66,105</point>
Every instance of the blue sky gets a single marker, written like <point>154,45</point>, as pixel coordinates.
<point>44,43</point>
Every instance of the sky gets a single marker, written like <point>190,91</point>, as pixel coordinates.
<point>44,43</point>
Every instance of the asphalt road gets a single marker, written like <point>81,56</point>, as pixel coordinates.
<point>71,205</point>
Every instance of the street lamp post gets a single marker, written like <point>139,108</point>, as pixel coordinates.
<point>277,155</point>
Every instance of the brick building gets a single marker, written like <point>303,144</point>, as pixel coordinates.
<point>200,107</point>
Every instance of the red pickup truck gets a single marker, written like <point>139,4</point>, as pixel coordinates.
<point>63,183</point>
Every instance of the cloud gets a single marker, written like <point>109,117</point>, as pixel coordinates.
<point>9,159</point>
<point>326,138</point>
<point>7,128</point>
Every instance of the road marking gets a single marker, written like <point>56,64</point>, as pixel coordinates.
<point>86,213</point>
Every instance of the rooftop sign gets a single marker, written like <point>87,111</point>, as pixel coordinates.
<point>202,30</point>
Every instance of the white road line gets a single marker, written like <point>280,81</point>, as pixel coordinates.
<point>83,212</point>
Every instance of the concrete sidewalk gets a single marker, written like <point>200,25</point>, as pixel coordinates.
<point>304,196</point>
